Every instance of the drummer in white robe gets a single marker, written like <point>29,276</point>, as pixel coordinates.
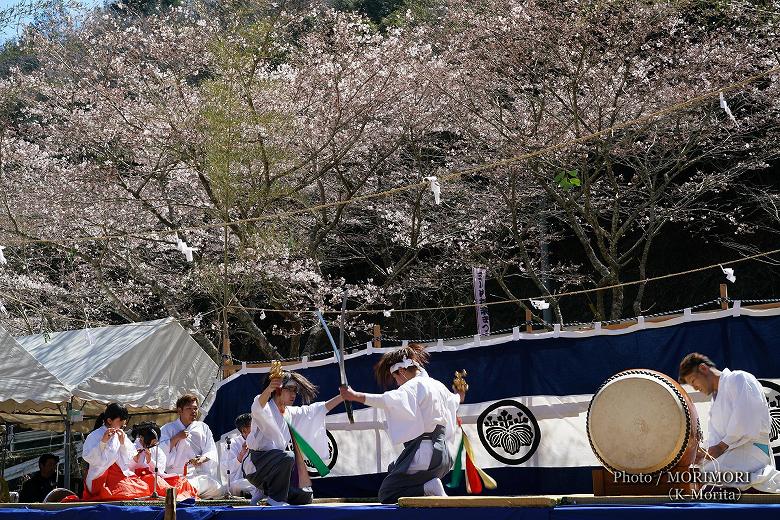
<point>739,425</point>
<point>421,414</point>
<point>187,441</point>
<point>273,454</point>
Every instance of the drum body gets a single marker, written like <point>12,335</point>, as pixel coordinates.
<point>642,421</point>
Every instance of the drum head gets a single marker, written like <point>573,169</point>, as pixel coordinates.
<point>637,424</point>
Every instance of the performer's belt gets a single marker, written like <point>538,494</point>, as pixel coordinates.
<point>762,447</point>
<point>428,436</point>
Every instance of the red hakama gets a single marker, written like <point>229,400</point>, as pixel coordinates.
<point>113,484</point>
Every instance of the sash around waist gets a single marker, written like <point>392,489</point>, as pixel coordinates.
<point>428,436</point>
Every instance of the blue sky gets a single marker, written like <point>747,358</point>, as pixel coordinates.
<point>11,31</point>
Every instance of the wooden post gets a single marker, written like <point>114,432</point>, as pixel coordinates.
<point>529,316</point>
<point>227,358</point>
<point>724,296</point>
<point>377,341</point>
<point>226,350</point>
<point>170,504</point>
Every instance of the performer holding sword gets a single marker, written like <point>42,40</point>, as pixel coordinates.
<point>277,424</point>
<point>282,433</point>
<point>421,414</point>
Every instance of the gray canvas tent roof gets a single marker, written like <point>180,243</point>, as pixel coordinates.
<point>25,383</point>
<point>145,366</point>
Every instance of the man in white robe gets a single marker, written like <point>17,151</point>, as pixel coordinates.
<point>738,448</point>
<point>189,442</point>
<point>422,414</point>
<point>235,456</point>
<point>273,454</point>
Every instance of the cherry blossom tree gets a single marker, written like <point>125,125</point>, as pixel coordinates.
<point>292,145</point>
<point>538,73</point>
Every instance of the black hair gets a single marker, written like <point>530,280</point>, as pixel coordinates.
<point>186,399</point>
<point>113,411</point>
<point>243,420</point>
<point>147,431</point>
<point>690,364</point>
<point>413,351</point>
<point>306,389</point>
<point>47,456</point>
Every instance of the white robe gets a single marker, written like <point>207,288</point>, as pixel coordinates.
<point>739,417</point>
<point>157,456</point>
<point>417,407</point>
<point>205,478</point>
<point>100,456</point>
<point>270,430</point>
<point>238,483</point>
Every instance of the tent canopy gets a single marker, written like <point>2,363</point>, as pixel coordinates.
<point>144,366</point>
<point>25,383</point>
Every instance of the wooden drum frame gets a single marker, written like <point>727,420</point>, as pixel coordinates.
<point>641,422</point>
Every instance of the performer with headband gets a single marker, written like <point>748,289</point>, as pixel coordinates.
<point>421,414</point>
<point>739,426</point>
<point>273,464</point>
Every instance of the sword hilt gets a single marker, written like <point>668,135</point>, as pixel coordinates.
<point>348,406</point>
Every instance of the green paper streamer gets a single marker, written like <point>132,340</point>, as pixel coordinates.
<point>457,471</point>
<point>309,452</point>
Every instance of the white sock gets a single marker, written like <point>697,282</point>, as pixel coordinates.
<point>256,496</point>
<point>434,488</point>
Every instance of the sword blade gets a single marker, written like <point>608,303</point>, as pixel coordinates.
<point>342,369</point>
<point>336,352</point>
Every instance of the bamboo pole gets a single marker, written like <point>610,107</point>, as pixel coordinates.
<point>377,341</point>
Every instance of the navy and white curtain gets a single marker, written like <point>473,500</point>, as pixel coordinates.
<point>529,394</point>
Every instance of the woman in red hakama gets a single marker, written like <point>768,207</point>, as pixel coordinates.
<point>112,457</point>
<point>149,456</point>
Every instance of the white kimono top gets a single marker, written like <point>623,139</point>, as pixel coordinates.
<point>739,416</point>
<point>200,442</point>
<point>270,430</point>
<point>417,407</point>
<point>157,456</point>
<point>231,461</point>
<point>101,456</point>
<point>740,413</point>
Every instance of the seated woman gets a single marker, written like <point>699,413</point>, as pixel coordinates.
<point>150,456</point>
<point>109,454</point>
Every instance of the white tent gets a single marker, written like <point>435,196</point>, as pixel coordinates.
<point>144,366</point>
<point>25,384</point>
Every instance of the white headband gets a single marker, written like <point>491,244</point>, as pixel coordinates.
<point>290,382</point>
<point>404,363</point>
